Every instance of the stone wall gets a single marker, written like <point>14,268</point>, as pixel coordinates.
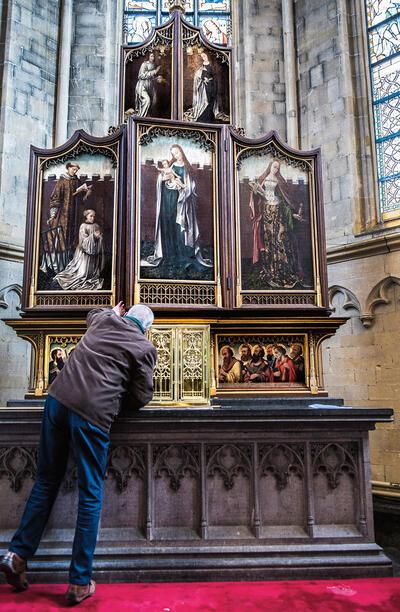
<point>28,55</point>
<point>96,38</point>
<point>259,67</point>
<point>359,362</point>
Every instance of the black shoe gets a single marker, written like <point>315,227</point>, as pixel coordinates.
<point>14,569</point>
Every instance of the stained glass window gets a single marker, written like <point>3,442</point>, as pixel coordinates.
<point>384,55</point>
<point>213,16</point>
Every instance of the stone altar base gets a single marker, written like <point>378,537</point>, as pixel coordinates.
<point>249,489</point>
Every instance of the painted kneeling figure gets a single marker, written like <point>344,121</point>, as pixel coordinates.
<point>84,271</point>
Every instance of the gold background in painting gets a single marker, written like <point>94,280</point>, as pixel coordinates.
<point>61,340</point>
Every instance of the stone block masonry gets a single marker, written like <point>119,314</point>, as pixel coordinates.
<point>29,54</point>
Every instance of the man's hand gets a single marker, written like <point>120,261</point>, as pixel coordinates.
<point>119,309</point>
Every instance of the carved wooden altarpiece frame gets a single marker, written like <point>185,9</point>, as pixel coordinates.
<point>180,51</point>
<point>56,220</point>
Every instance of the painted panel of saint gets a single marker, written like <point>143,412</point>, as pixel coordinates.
<point>216,29</point>
<point>177,186</point>
<point>257,362</point>
<point>77,225</point>
<point>59,352</point>
<point>206,86</point>
<point>274,225</point>
<point>147,84</point>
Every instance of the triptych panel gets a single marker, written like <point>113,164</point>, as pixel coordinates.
<point>74,209</point>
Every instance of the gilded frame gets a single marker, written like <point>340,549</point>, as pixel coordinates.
<point>252,337</point>
<point>176,292</point>
<point>162,37</point>
<point>309,161</point>
<point>110,148</point>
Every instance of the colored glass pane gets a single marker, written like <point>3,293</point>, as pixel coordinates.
<point>379,10</point>
<point>213,16</point>
<point>216,28</point>
<point>215,5</point>
<point>141,5</point>
<point>138,28</point>
<point>384,53</point>
<point>188,6</point>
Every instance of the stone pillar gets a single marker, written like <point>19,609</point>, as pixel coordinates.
<point>63,73</point>
<point>289,52</point>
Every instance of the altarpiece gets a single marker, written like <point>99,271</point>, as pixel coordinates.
<point>223,236</point>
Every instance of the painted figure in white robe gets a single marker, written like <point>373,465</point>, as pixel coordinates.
<point>205,92</point>
<point>84,271</point>
<point>146,91</point>
<point>177,232</point>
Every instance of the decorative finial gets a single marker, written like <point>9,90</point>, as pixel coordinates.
<point>177,5</point>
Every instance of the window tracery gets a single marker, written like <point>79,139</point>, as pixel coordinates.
<point>383,23</point>
<point>213,16</point>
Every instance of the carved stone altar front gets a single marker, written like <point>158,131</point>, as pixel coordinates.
<point>250,489</point>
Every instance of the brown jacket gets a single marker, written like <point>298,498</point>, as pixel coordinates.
<point>112,362</point>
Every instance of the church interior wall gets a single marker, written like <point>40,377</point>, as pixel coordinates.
<point>359,362</point>
<point>29,41</point>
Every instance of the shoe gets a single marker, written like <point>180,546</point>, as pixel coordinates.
<point>14,568</point>
<point>77,592</point>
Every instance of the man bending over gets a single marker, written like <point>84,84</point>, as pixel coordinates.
<point>113,362</point>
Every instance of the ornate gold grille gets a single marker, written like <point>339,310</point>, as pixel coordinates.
<point>163,340</point>
<point>281,298</point>
<point>183,364</point>
<point>182,294</point>
<point>66,299</point>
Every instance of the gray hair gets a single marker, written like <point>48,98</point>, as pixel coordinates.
<point>143,314</point>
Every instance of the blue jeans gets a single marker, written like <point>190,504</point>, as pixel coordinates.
<point>63,429</point>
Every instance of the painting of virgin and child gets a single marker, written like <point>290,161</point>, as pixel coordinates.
<point>77,219</point>
<point>176,210</point>
<point>275,225</point>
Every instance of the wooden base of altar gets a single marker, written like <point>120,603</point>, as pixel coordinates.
<point>245,489</point>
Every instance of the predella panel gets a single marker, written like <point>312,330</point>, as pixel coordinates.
<point>261,362</point>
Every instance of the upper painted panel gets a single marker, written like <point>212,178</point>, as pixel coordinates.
<point>174,72</point>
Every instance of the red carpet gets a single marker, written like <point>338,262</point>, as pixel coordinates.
<point>374,595</point>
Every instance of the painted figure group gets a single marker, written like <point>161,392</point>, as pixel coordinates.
<point>272,364</point>
<point>74,261</point>
<point>177,234</point>
<point>204,108</point>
